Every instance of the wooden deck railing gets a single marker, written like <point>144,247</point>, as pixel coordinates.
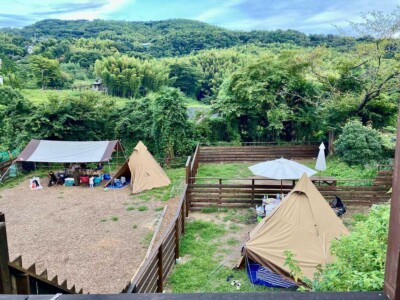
<point>15,279</point>
<point>152,276</point>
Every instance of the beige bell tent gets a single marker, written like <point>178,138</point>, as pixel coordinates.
<point>143,170</point>
<point>303,223</point>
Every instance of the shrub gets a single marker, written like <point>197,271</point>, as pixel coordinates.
<point>360,257</point>
<point>359,144</point>
<point>359,263</point>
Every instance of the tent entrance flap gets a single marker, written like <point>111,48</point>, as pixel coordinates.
<point>68,151</point>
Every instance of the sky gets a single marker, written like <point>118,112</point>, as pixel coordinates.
<point>309,16</point>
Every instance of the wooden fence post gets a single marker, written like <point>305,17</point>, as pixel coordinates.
<point>392,271</point>
<point>160,283</point>
<point>177,238</point>
<point>252,190</point>
<point>5,278</point>
<point>183,213</point>
<point>220,190</point>
<point>187,200</point>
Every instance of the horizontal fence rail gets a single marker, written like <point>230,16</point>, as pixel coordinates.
<point>218,154</point>
<point>247,192</point>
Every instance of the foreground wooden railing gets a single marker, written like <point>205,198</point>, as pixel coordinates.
<point>15,279</point>
<point>152,276</point>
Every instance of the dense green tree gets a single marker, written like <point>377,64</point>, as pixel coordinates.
<point>14,111</point>
<point>71,118</point>
<point>171,130</point>
<point>47,72</point>
<point>133,123</point>
<point>186,76</point>
<point>264,96</point>
<point>131,77</point>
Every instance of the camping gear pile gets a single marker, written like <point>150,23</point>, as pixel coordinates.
<point>304,224</point>
<point>76,153</point>
<point>338,206</point>
<point>267,206</point>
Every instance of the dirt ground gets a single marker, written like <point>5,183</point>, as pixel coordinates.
<point>172,207</point>
<point>85,235</point>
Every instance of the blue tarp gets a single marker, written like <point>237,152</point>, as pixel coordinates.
<point>117,185</point>
<point>263,276</point>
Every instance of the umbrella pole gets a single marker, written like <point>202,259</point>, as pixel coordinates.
<point>281,189</point>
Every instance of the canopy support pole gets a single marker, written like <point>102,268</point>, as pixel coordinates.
<point>5,173</point>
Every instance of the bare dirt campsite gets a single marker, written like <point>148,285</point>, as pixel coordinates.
<point>94,238</point>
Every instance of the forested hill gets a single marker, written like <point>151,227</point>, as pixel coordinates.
<point>168,37</point>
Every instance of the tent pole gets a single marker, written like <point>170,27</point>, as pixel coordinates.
<point>109,168</point>
<point>117,162</point>
<point>123,151</point>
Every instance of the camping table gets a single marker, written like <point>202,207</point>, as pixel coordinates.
<point>331,181</point>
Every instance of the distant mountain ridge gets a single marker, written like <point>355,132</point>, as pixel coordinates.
<point>169,37</point>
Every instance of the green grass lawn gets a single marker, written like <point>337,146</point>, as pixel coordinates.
<point>335,167</point>
<point>201,253</point>
<point>164,193</point>
<point>38,96</point>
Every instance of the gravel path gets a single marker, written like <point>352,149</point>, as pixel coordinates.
<point>70,231</point>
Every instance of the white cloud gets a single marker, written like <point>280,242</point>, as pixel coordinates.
<point>101,12</point>
<point>215,12</point>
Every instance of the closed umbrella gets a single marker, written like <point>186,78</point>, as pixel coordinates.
<point>320,165</point>
<point>281,169</point>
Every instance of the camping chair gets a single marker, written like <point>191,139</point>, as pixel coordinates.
<point>84,180</point>
<point>53,179</point>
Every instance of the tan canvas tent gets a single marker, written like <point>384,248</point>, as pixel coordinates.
<point>303,223</point>
<point>143,170</point>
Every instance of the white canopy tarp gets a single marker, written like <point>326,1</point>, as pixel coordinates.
<point>281,169</point>
<point>68,151</point>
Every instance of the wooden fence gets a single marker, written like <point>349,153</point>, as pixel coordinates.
<point>152,276</point>
<point>192,165</point>
<point>256,153</point>
<point>245,192</point>
<point>15,279</point>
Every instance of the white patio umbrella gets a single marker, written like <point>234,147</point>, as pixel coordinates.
<point>281,169</point>
<point>320,165</point>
